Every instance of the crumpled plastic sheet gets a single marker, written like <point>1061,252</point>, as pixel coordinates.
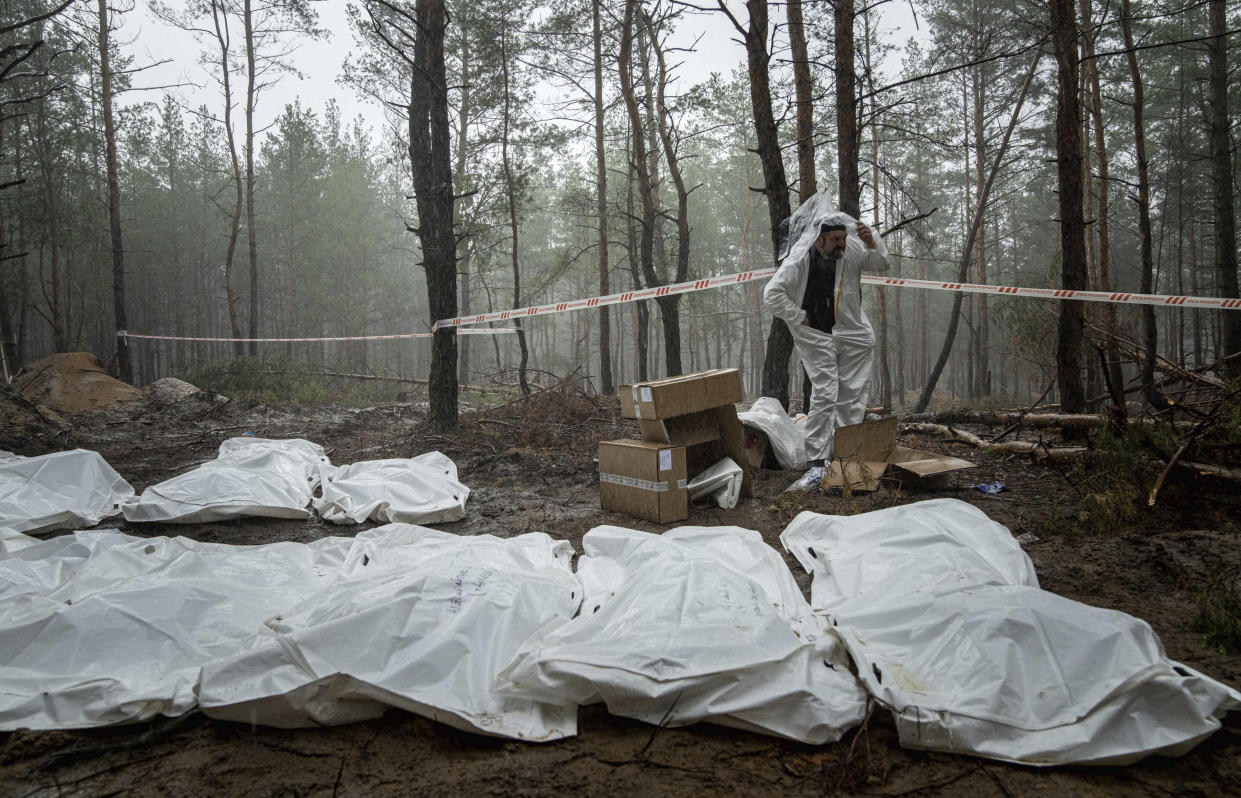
<point>250,476</point>
<point>942,613</point>
<point>419,490</point>
<point>787,438</point>
<point>99,628</point>
<point>419,619</point>
<point>721,482</point>
<point>58,491</point>
<point>697,624</point>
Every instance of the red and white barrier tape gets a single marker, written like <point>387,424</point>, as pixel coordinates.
<point>1219,303</point>
<point>1116,297</point>
<point>484,331</point>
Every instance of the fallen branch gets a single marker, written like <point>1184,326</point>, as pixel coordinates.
<point>1038,451</point>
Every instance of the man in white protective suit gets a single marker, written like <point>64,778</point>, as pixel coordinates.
<point>818,291</point>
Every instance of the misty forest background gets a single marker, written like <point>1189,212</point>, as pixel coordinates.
<point>567,125</point>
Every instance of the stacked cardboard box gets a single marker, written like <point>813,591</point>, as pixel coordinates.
<point>690,419</point>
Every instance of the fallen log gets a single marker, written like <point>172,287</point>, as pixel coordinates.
<point>1037,451</point>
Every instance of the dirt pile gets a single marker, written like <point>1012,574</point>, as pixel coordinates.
<point>73,383</point>
<point>170,390</point>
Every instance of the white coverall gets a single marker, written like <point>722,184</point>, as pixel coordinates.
<point>838,363</point>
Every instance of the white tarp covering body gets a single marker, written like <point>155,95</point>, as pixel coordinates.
<point>99,628</point>
<point>942,613</point>
<point>721,482</point>
<point>250,476</point>
<point>419,619</point>
<point>419,490</point>
<point>786,437</point>
<point>697,624</point>
<point>58,491</point>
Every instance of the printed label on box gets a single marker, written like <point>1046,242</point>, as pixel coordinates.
<point>646,394</point>
<point>665,459</point>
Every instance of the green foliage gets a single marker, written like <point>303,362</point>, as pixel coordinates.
<point>275,380</point>
<point>1119,476</point>
<point>1219,611</point>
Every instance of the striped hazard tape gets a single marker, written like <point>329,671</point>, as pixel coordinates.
<point>401,336</point>
<point>1116,297</point>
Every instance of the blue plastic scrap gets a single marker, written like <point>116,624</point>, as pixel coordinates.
<point>991,487</point>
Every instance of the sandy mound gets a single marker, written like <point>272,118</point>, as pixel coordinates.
<point>74,382</point>
<point>169,390</point>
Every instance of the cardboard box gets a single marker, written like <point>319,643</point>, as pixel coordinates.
<point>707,435</point>
<point>643,479</point>
<point>679,396</point>
<point>864,452</point>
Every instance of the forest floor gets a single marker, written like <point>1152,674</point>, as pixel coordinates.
<point>531,467</point>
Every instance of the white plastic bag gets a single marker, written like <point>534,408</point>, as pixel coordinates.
<point>250,476</point>
<point>419,490</point>
<point>941,611</point>
<point>699,624</point>
<point>786,438</point>
<point>721,481</point>
<point>58,490</point>
<point>418,619</point>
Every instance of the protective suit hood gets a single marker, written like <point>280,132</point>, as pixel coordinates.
<point>799,231</point>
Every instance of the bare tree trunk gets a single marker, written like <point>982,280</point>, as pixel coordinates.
<point>641,311</point>
<point>1072,222</point>
<point>461,204</point>
<point>1102,228</point>
<point>963,266</point>
<point>124,367</point>
<point>1221,179</point>
<point>803,85</point>
<point>847,133</point>
<point>251,234</point>
<point>601,204</point>
<point>431,164</point>
<point>881,299</point>
<point>775,184</point>
<point>1150,334</point>
<point>670,306</point>
<point>641,163</point>
<point>981,348</point>
<point>511,191</point>
<point>220,20</point>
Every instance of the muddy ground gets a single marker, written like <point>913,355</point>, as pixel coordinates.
<point>531,468</point>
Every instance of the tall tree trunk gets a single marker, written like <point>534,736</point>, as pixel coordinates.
<point>124,366</point>
<point>251,233</point>
<point>981,351</point>
<point>431,164</point>
<point>461,204</point>
<point>670,306</point>
<point>881,299</point>
<point>641,160</point>
<point>1150,334</point>
<point>601,203</point>
<point>803,85</point>
<point>1102,227</point>
<point>974,230</point>
<point>641,311</point>
<point>220,20</point>
<point>1072,221</point>
<point>775,184</point>
<point>1221,179</point>
<point>847,133</point>
<point>511,192</point>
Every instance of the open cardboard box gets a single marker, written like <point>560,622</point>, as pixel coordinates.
<point>696,411</point>
<point>864,452</point>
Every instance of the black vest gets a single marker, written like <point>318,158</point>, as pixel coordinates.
<point>819,301</point>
